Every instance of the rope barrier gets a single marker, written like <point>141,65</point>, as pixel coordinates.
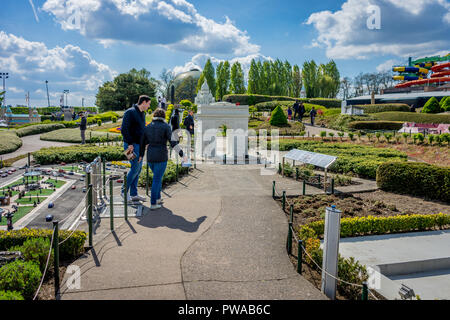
<point>46,265</point>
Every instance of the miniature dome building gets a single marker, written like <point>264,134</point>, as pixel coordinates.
<point>194,73</point>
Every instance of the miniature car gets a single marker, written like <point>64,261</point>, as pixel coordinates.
<point>84,190</point>
<point>51,205</point>
<point>71,173</point>
<point>74,187</point>
<point>10,172</point>
<point>119,180</point>
<point>81,179</point>
<point>4,175</point>
<point>13,170</point>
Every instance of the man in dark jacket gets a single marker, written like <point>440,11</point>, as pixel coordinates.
<point>301,111</point>
<point>83,126</point>
<point>156,135</point>
<point>133,125</point>
<point>189,122</point>
<point>175,120</point>
<point>313,114</point>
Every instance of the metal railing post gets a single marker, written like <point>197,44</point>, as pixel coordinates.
<point>332,186</point>
<point>125,195</point>
<point>104,177</point>
<point>177,168</point>
<point>296,174</point>
<point>365,292</point>
<point>111,204</point>
<point>56,257</point>
<point>289,239</point>
<point>284,200</point>
<point>273,189</point>
<point>292,213</point>
<point>29,160</point>
<point>90,194</point>
<point>299,256</point>
<point>304,187</point>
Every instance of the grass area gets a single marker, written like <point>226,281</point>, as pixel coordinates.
<point>107,126</point>
<point>292,129</point>
<point>20,213</point>
<point>45,192</point>
<point>74,136</point>
<point>9,141</point>
<point>9,162</point>
<point>28,200</point>
<point>57,183</point>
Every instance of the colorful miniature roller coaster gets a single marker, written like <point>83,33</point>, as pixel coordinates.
<point>417,72</point>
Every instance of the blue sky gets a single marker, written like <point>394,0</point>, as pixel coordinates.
<point>114,36</point>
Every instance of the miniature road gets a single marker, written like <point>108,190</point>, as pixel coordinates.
<point>219,236</point>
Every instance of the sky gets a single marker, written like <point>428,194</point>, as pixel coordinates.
<point>77,45</point>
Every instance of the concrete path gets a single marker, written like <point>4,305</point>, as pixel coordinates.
<point>219,236</point>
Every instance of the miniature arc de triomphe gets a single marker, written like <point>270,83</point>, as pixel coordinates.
<point>210,116</point>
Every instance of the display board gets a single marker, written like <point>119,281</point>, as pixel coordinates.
<point>317,159</point>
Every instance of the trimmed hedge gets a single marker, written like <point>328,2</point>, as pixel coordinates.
<point>78,153</point>
<point>170,175</point>
<point>49,110</point>
<point>9,141</point>
<point>74,136</point>
<point>370,225</point>
<point>69,249</point>
<point>37,129</point>
<point>432,106</point>
<point>417,179</point>
<point>10,295</point>
<point>278,118</point>
<point>253,99</point>
<point>377,108</point>
<point>271,105</point>
<point>20,276</point>
<point>375,125</point>
<point>412,117</point>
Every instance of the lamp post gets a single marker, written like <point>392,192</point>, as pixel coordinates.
<point>48,96</point>
<point>4,76</point>
<point>66,92</point>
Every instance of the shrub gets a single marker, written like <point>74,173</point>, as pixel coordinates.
<point>170,175</point>
<point>73,136</point>
<point>35,250</point>
<point>270,106</point>
<point>445,104</point>
<point>169,112</point>
<point>114,119</point>
<point>186,103</point>
<point>20,276</point>
<point>417,179</point>
<point>10,295</point>
<point>252,99</point>
<point>9,141</point>
<point>432,106</point>
<point>153,104</point>
<point>99,123</point>
<point>419,136</point>
<point>278,118</point>
<point>325,102</point>
<point>375,125</point>
<point>77,153</point>
<point>37,129</point>
<point>376,108</point>
<point>412,117</point>
<point>69,249</point>
<point>323,134</point>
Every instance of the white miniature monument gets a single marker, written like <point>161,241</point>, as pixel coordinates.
<point>210,116</point>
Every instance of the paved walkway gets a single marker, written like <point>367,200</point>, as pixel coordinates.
<point>219,236</point>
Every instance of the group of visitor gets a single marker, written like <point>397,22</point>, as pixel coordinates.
<point>155,136</point>
<point>299,109</point>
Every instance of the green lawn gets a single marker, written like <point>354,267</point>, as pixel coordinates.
<point>27,200</point>
<point>58,184</point>
<point>21,212</point>
<point>45,192</point>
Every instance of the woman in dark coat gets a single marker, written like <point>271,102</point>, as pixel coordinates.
<point>175,120</point>
<point>156,135</point>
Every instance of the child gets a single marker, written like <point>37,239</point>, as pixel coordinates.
<point>289,113</point>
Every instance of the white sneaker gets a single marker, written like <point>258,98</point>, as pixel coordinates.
<point>138,198</point>
<point>128,198</point>
<point>155,207</point>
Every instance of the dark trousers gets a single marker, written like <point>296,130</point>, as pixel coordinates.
<point>83,136</point>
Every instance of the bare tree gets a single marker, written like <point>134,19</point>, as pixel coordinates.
<point>167,77</point>
<point>346,85</point>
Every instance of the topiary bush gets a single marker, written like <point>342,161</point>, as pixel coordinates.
<point>20,276</point>
<point>432,106</point>
<point>10,295</point>
<point>417,179</point>
<point>445,104</point>
<point>37,129</point>
<point>412,117</point>
<point>278,118</point>
<point>9,141</point>
<point>375,125</point>
<point>36,250</point>
<point>386,107</point>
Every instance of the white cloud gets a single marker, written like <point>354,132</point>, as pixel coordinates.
<point>174,24</point>
<point>408,27</point>
<point>387,65</point>
<point>31,63</point>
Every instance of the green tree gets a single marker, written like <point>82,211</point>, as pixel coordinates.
<point>278,117</point>
<point>253,78</point>
<point>296,82</point>
<point>125,89</point>
<point>186,90</point>
<point>310,76</point>
<point>237,85</point>
<point>208,74</point>
<point>432,106</point>
<point>223,79</point>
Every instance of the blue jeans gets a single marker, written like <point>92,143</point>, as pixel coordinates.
<point>135,171</point>
<point>158,169</point>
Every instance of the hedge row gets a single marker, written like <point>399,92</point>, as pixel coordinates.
<point>417,179</point>
<point>74,136</point>
<point>9,141</point>
<point>271,105</point>
<point>413,117</point>
<point>69,249</point>
<point>375,125</point>
<point>253,99</point>
<point>370,225</point>
<point>170,175</point>
<point>77,153</point>
<point>377,108</point>
<point>37,129</point>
